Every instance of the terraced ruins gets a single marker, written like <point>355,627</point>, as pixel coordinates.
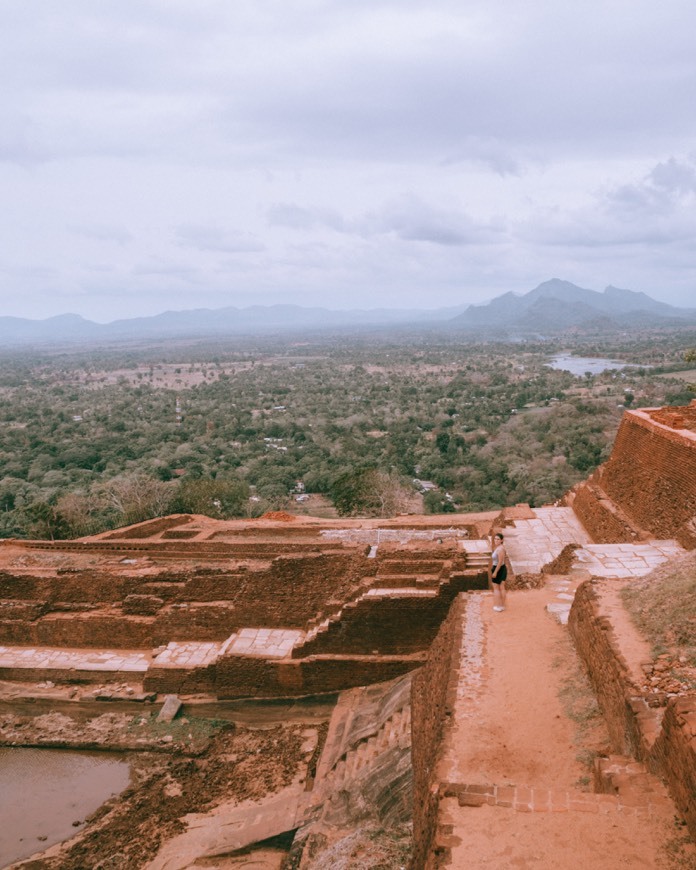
<point>347,679</point>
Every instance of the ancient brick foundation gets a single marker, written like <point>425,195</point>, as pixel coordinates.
<point>675,755</point>
<point>432,697</point>
<point>604,522</point>
<point>664,738</point>
<point>650,476</point>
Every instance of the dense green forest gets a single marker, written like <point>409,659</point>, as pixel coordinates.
<point>95,439</point>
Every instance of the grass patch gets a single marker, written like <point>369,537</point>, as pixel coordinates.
<point>370,847</point>
<point>580,705</point>
<point>662,605</point>
<point>578,699</point>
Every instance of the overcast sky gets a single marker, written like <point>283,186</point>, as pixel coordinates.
<point>172,154</point>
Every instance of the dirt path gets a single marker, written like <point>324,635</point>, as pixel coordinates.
<point>526,744</point>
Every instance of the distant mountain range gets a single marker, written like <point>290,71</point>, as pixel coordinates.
<point>558,306</point>
<point>553,307</point>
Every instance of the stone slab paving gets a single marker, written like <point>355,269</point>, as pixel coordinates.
<point>50,658</point>
<point>187,654</point>
<point>384,536</point>
<point>265,642</point>
<point>625,560</point>
<point>531,544</point>
<point>476,547</point>
<point>528,799</point>
<point>406,592</point>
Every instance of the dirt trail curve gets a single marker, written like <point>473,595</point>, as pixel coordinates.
<point>522,752</point>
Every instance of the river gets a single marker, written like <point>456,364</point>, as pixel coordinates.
<point>578,365</point>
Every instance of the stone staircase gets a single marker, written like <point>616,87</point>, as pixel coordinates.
<point>395,732</point>
<point>424,580</point>
<point>365,767</point>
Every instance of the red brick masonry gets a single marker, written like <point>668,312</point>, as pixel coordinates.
<point>651,474</point>
<point>663,738</point>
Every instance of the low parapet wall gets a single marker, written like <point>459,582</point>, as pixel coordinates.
<point>663,737</point>
<point>433,696</point>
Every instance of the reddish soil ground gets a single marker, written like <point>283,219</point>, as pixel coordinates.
<point>536,725</point>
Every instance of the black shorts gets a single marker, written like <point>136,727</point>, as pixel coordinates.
<point>501,576</point>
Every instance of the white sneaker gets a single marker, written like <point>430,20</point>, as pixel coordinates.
<point>498,608</point>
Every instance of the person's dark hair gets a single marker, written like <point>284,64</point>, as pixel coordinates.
<point>499,535</point>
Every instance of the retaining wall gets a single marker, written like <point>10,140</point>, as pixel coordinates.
<point>433,696</point>
<point>600,517</point>
<point>651,473</point>
<point>249,677</point>
<point>662,737</point>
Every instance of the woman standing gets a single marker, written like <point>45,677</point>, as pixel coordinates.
<point>498,572</point>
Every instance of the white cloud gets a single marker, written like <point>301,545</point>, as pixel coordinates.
<point>367,151</point>
<point>217,240</point>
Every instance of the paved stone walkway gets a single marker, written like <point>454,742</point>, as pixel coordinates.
<point>187,654</point>
<point>54,658</point>
<point>531,544</point>
<point>625,560</point>
<point>266,642</point>
<point>507,804</point>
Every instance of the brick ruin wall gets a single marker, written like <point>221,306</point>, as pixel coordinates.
<point>662,738</point>
<point>650,477</point>
<point>609,673</point>
<point>600,516</point>
<point>235,677</point>
<point>149,528</point>
<point>119,610</point>
<point>432,698</point>
<point>398,626</point>
<point>675,754</point>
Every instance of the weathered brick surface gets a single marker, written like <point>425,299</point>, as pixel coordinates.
<point>330,674</point>
<point>595,641</point>
<point>651,474</point>
<point>665,743</point>
<point>96,630</point>
<point>153,527</point>
<point>674,753</point>
<point>179,681</point>
<point>23,586</point>
<point>600,517</point>
<point>194,621</point>
<point>432,700</point>
<point>389,626</point>
<point>24,610</point>
<point>17,632</point>
<point>249,677</point>
<point>142,605</point>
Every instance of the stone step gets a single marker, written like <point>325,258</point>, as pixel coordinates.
<point>527,799</point>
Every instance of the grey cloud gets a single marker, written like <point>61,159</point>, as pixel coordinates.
<point>105,233</point>
<point>674,176</point>
<point>167,270</point>
<point>664,190</point>
<point>441,81</point>
<point>296,217</point>
<point>161,125</point>
<point>407,217</point>
<point>654,212</point>
<point>413,220</point>
<point>216,240</point>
